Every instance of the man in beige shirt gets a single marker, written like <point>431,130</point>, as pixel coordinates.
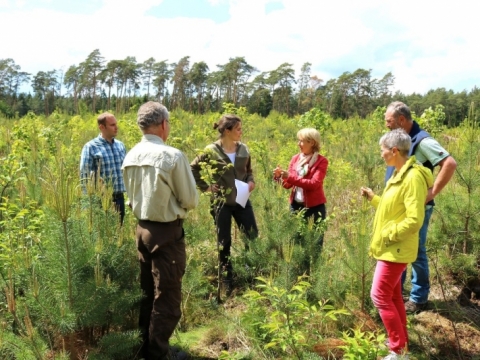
<point>161,189</point>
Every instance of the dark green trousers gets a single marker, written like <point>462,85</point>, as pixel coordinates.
<point>161,251</point>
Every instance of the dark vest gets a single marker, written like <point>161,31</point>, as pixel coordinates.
<point>417,135</point>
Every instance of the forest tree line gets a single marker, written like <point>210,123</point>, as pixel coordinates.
<point>97,84</point>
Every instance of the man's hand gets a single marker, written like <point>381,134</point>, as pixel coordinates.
<point>447,170</point>
<point>429,195</point>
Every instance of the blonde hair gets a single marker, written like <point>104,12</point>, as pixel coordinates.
<point>310,134</point>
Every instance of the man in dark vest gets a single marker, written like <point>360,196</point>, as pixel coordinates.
<point>431,154</point>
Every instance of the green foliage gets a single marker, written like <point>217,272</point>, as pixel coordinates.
<point>197,282</point>
<point>210,172</point>
<point>363,345</point>
<point>230,108</point>
<point>356,236</point>
<point>433,120</point>
<point>28,346</point>
<point>315,118</point>
<point>21,226</point>
<point>225,355</point>
<point>378,114</point>
<point>5,110</point>
<point>456,237</point>
<point>259,150</point>
<point>66,269</point>
<point>69,272</point>
<point>285,312</point>
<point>116,346</point>
<point>10,174</point>
<point>96,84</point>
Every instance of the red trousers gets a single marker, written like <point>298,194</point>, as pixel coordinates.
<point>387,297</point>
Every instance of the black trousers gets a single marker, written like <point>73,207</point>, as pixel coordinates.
<point>161,251</point>
<point>119,200</point>
<point>245,219</point>
<point>317,212</point>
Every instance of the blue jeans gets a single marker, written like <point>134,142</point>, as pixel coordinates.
<point>420,272</point>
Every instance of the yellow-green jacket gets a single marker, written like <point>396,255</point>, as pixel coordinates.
<point>400,213</point>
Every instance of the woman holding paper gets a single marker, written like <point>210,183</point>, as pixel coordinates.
<point>217,170</point>
<point>304,177</point>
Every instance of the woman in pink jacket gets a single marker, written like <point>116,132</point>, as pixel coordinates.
<point>304,177</point>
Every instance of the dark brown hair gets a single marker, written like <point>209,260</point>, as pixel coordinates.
<point>227,122</point>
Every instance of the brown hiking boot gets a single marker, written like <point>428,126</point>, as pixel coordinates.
<point>414,308</point>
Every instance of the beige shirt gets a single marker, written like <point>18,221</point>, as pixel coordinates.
<point>158,180</point>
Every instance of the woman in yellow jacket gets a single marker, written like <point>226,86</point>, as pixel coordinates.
<point>399,216</point>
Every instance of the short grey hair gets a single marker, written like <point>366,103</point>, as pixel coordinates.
<point>397,138</point>
<point>151,114</point>
<point>399,108</point>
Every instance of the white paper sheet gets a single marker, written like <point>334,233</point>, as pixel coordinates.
<point>242,192</point>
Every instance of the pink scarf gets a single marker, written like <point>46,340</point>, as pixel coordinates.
<point>305,163</point>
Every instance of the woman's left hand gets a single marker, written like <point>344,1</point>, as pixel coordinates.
<point>367,192</point>
<point>251,186</point>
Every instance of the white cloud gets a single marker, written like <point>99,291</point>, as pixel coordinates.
<point>425,45</point>
<point>127,8</point>
<point>216,2</point>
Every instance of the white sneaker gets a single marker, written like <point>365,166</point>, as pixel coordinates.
<point>395,356</point>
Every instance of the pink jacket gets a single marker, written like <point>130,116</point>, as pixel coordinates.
<point>311,183</point>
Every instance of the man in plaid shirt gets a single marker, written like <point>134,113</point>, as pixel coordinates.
<point>103,157</point>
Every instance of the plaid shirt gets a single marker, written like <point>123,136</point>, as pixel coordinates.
<point>98,155</point>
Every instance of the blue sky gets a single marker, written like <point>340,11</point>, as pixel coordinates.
<point>424,44</point>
